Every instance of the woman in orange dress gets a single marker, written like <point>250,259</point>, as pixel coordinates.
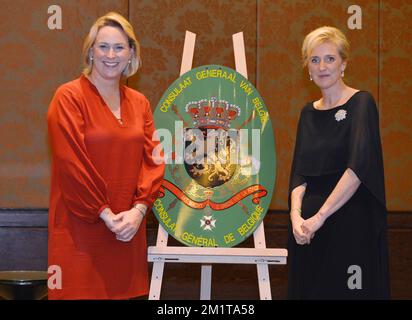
<point>105,175</point>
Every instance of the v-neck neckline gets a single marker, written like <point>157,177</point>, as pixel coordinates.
<point>121,123</point>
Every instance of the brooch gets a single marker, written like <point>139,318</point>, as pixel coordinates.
<point>340,115</point>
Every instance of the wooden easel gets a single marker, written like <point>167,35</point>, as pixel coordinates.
<point>260,255</point>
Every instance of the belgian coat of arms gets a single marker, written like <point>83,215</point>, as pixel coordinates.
<point>211,120</point>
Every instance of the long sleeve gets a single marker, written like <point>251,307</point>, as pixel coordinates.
<point>83,189</point>
<point>152,167</point>
<point>295,178</point>
<point>365,150</point>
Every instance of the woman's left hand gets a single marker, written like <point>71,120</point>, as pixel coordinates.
<point>130,223</point>
<point>313,224</point>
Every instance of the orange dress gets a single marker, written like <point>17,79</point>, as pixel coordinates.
<point>98,163</point>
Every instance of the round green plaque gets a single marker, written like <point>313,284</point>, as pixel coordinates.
<point>220,158</point>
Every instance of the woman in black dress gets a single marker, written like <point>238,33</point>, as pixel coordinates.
<point>338,240</point>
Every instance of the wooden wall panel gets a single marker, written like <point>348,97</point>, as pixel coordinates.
<point>24,246</point>
<point>395,90</point>
<point>39,59</point>
<point>36,60</point>
<point>161,25</point>
<point>23,237</point>
<point>285,86</point>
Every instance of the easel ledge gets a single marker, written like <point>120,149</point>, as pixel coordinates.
<point>217,255</point>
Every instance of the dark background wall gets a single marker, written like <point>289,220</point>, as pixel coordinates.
<point>35,60</point>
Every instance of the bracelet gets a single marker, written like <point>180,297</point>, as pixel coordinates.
<point>136,206</point>
<point>298,210</point>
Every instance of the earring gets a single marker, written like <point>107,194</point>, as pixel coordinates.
<point>130,61</point>
<point>91,58</point>
<point>310,77</point>
<point>342,73</point>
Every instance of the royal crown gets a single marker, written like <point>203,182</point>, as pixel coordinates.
<point>213,113</point>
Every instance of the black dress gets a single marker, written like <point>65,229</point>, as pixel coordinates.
<point>353,240</point>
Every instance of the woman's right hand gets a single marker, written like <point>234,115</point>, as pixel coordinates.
<point>297,221</point>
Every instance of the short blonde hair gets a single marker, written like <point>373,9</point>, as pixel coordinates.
<point>322,35</point>
<point>112,19</point>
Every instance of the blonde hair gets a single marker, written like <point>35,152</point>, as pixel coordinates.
<point>112,19</point>
<point>322,35</point>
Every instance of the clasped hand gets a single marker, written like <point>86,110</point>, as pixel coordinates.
<point>304,230</point>
<point>124,224</point>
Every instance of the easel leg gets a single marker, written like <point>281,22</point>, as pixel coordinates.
<point>259,234</point>
<point>188,52</point>
<point>162,235</point>
<point>240,53</point>
<point>156,282</point>
<point>264,282</point>
<point>262,269</point>
<point>206,282</point>
<point>158,267</point>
